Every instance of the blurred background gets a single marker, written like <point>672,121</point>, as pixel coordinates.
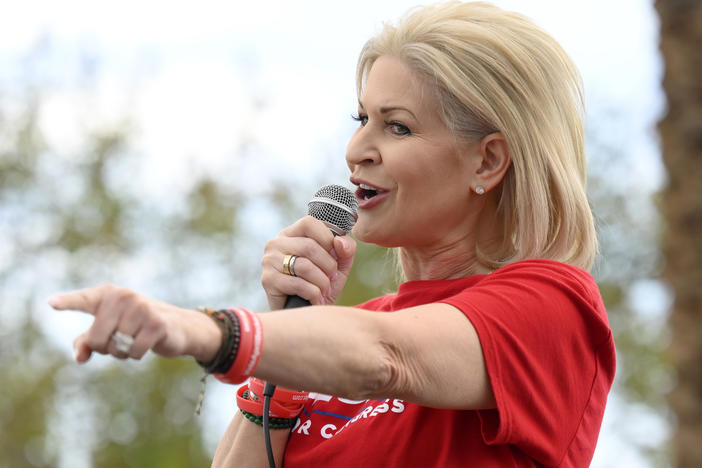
<point>157,145</point>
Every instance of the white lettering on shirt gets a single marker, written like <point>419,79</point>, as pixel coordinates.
<point>325,432</point>
<point>330,430</point>
<point>304,428</point>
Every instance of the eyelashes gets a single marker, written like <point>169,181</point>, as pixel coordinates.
<point>361,118</point>
<point>396,128</point>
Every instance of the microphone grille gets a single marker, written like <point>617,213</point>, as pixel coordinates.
<point>336,206</point>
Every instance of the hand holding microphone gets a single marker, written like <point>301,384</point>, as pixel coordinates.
<point>320,253</point>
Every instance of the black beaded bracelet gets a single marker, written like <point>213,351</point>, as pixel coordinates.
<point>228,360</point>
<point>228,323</point>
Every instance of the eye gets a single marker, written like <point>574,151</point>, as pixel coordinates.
<point>398,129</point>
<point>361,118</point>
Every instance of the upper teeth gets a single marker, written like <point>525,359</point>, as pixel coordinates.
<point>366,187</point>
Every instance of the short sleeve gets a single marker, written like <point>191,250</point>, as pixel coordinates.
<point>550,358</point>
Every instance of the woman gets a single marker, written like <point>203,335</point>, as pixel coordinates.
<point>469,158</point>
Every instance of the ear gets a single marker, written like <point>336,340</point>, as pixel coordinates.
<point>495,160</point>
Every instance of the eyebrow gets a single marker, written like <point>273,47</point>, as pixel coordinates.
<point>387,109</point>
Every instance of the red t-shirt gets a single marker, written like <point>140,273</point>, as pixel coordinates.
<point>550,358</point>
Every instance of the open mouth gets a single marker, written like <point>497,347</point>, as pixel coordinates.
<point>366,192</point>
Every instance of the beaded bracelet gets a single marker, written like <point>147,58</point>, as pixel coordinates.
<point>274,423</point>
<point>249,350</point>
<point>231,334</point>
<point>236,337</point>
<point>229,323</point>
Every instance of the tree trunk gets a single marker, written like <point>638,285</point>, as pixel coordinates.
<point>681,133</point>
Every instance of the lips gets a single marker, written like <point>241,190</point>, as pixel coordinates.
<point>368,195</point>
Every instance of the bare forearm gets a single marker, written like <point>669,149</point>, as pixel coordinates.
<point>243,446</point>
<point>327,349</point>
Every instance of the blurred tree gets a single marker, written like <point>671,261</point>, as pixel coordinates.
<point>27,362</point>
<point>72,213</point>
<point>27,365</point>
<point>681,132</point>
<point>373,275</point>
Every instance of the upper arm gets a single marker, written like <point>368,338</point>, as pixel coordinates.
<point>435,358</point>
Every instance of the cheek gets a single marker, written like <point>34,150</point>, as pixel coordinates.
<point>428,182</point>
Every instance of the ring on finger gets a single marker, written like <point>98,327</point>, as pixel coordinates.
<point>289,265</point>
<point>123,342</point>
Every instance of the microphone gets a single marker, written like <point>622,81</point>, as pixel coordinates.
<point>337,208</point>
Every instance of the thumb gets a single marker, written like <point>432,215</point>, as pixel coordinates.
<point>81,349</point>
<point>345,248</point>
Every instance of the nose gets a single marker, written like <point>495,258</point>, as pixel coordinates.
<point>361,149</point>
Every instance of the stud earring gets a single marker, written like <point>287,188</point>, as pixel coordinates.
<point>480,190</point>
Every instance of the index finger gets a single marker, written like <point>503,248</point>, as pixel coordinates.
<point>86,300</point>
<point>311,228</point>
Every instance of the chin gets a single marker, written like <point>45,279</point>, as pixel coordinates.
<point>359,233</point>
<point>366,234</point>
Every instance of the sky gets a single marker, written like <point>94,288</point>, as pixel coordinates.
<point>195,81</point>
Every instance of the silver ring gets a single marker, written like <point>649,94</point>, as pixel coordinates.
<point>291,266</point>
<point>123,342</point>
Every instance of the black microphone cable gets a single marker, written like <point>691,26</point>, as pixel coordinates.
<point>337,208</point>
<point>268,392</point>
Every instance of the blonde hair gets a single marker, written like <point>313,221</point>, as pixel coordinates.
<point>494,70</point>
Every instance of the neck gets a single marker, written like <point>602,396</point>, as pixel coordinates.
<point>438,263</point>
<point>455,258</point>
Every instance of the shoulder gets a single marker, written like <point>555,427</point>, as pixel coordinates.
<point>529,277</point>
<point>549,354</point>
<point>546,269</point>
<point>541,293</point>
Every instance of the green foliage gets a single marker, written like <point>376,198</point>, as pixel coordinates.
<point>97,217</point>
<point>211,209</point>
<point>628,274</point>
<point>27,365</point>
<point>21,144</point>
<point>371,276</point>
<point>147,418</point>
<point>138,415</point>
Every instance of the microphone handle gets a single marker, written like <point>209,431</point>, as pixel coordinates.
<point>293,302</point>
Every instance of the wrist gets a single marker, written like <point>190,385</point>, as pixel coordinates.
<point>205,336</point>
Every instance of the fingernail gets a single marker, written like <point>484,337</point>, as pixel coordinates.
<point>54,301</point>
<point>344,242</point>
<point>75,354</point>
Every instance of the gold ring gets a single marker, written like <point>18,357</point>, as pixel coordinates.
<point>288,265</point>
